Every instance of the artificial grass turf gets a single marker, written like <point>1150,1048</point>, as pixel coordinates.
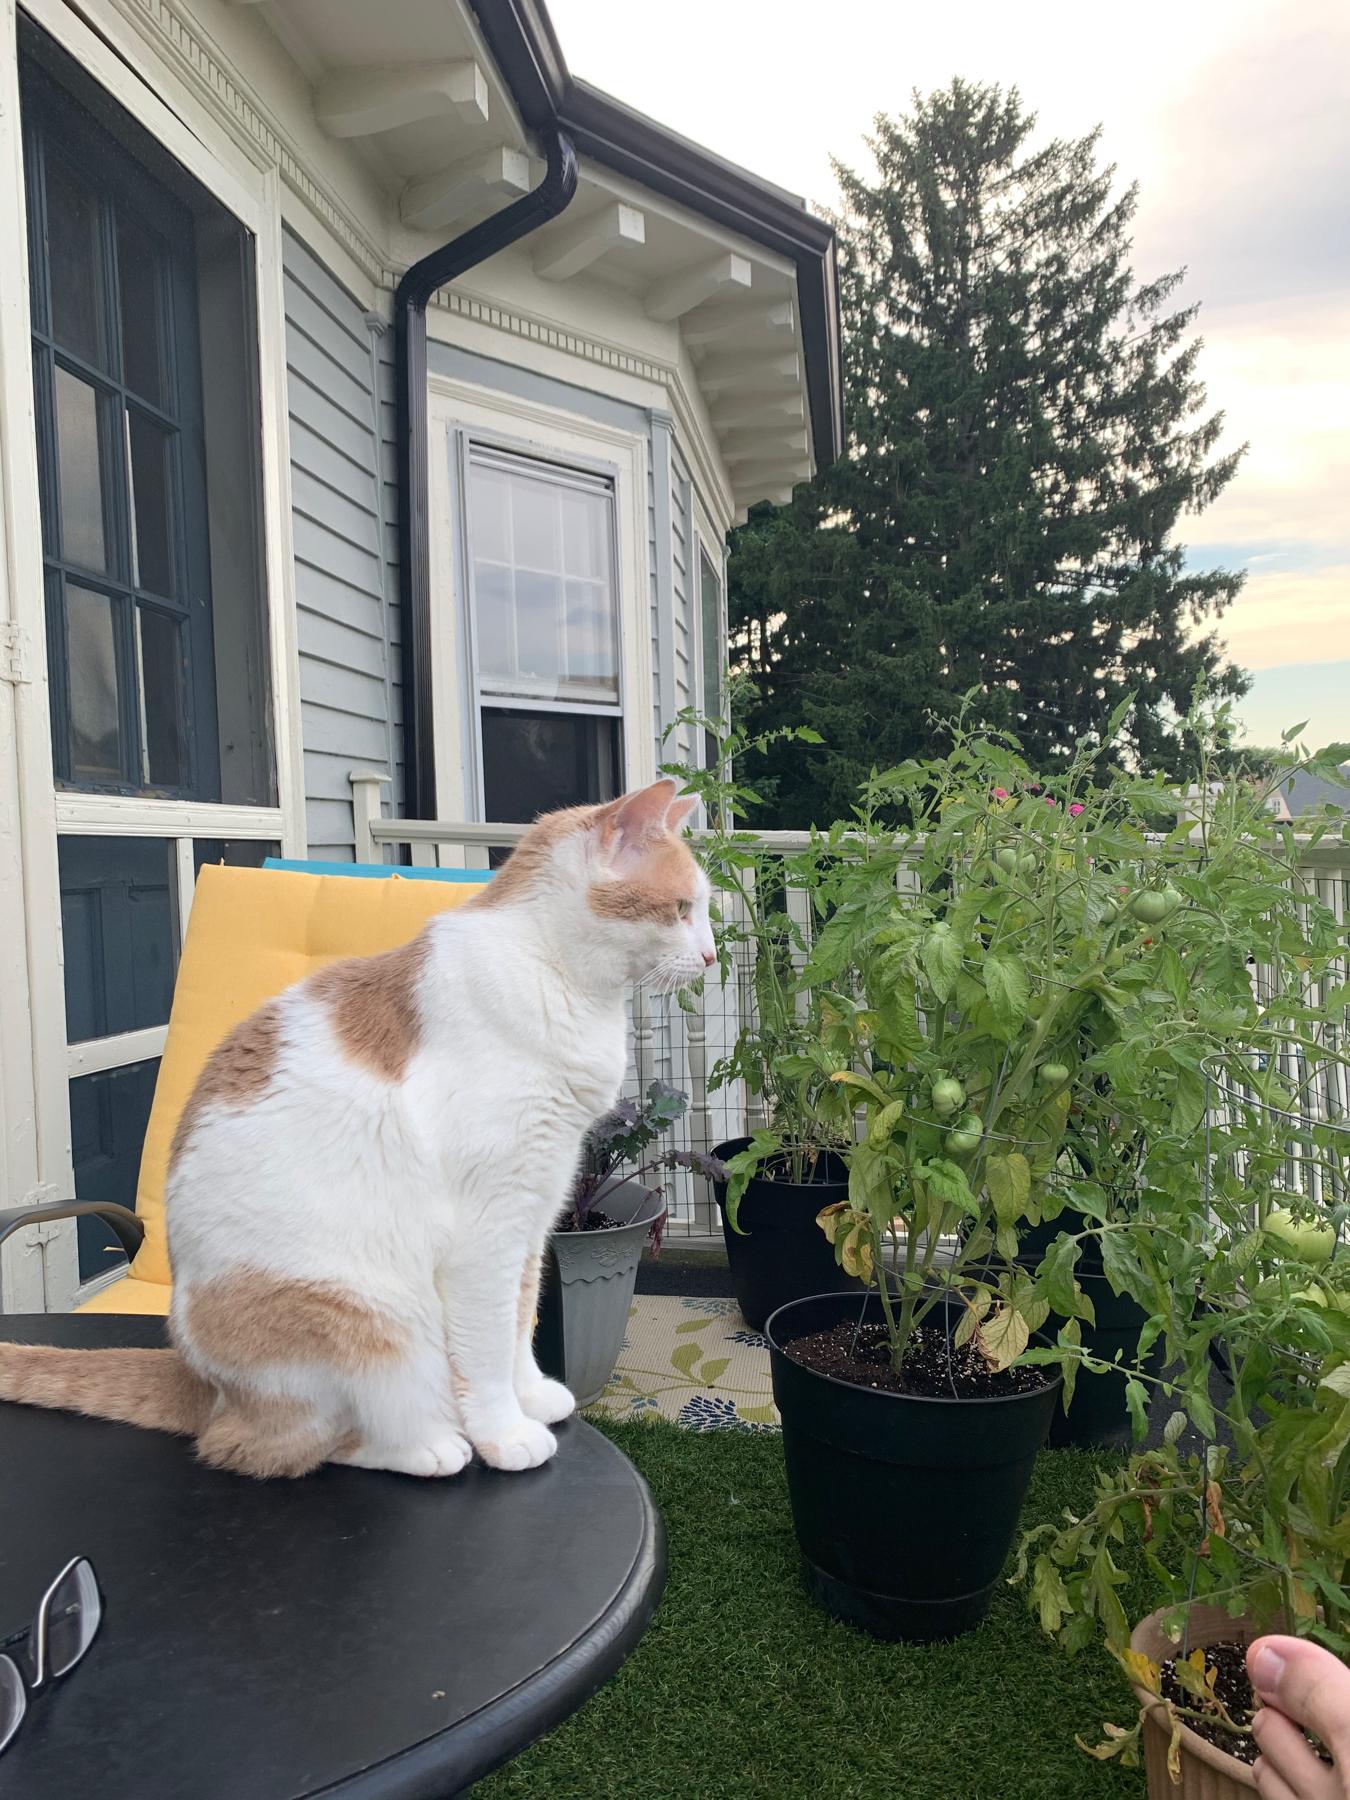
<point>742,1690</point>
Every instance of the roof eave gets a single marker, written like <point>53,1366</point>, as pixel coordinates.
<point>520,35</point>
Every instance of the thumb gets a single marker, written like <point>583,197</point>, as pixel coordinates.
<point>1307,1684</point>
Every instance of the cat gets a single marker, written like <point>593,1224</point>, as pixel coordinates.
<point>362,1182</point>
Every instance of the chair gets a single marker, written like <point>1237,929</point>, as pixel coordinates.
<point>252,933</point>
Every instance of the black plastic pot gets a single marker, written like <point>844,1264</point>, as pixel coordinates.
<point>1097,1414</point>
<point>780,1253</point>
<point>904,1506</point>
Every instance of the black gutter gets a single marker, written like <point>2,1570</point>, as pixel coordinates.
<point>525,48</point>
<point>411,299</point>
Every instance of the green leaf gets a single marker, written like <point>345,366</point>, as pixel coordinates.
<point>941,958</point>
<point>1054,1278</point>
<point>1174,1428</point>
<point>1338,1380</point>
<point>1136,1402</point>
<point>1188,1103</point>
<point>1049,1595</point>
<point>946,1181</point>
<point>1009,1182</point>
<point>1006,984</point>
<point>1120,1261</point>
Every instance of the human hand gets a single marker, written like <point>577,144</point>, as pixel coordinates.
<point>1300,1686</point>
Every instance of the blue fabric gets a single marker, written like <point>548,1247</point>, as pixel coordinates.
<point>375,870</point>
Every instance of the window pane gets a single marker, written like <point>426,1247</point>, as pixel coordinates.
<point>162,709</point>
<point>490,509</point>
<point>95,717</point>
<point>533,762</point>
<point>534,524</point>
<point>714,649</point>
<point>80,472</point>
<point>140,259</point>
<point>547,616</point>
<point>74,261</point>
<point>496,633</point>
<point>585,519</point>
<point>152,503</point>
<point>592,653</point>
<point>109,1113</point>
<point>538,610</point>
<point>120,934</point>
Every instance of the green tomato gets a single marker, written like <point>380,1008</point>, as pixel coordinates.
<point>1309,1241</point>
<point>1026,862</point>
<point>948,1094</point>
<point>964,1137</point>
<point>1110,913</point>
<point>1007,859</point>
<point>1152,905</point>
<point>1053,1075</point>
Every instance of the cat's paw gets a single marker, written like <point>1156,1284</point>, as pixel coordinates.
<point>547,1401</point>
<point>523,1445</point>
<point>438,1453</point>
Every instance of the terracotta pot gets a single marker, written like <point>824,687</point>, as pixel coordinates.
<point>1207,1773</point>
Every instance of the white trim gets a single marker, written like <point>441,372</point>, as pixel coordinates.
<point>109,815</point>
<point>99,1054</point>
<point>35,1161</point>
<point>558,436</point>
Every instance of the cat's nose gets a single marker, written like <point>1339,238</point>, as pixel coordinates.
<point>709,958</point>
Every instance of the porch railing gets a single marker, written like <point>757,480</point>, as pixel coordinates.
<point>683,1042</point>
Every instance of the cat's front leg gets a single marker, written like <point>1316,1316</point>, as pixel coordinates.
<point>481,1295</point>
<point>540,1396</point>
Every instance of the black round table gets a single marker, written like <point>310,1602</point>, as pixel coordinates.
<point>354,1633</point>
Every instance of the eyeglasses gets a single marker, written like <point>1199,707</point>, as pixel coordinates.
<point>64,1626</point>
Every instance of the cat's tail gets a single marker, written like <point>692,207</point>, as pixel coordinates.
<point>152,1388</point>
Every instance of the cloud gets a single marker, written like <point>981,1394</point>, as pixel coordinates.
<point>1285,616</point>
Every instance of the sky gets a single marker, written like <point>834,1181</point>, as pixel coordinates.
<point>1235,120</point>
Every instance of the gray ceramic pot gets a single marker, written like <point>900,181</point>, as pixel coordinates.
<point>587,1290</point>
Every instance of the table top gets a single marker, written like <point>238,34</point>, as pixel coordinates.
<point>355,1633</point>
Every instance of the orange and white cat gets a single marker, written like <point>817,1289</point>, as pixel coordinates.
<point>363,1179</point>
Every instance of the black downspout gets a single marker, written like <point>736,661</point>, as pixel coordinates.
<point>410,399</point>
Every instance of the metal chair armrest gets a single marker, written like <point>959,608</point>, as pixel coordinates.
<point>125,1226</point>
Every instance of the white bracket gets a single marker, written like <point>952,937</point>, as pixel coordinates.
<point>16,654</point>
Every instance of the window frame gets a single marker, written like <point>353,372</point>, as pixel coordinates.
<point>704,539</point>
<point>38,1065</point>
<point>54,130</point>
<point>460,414</point>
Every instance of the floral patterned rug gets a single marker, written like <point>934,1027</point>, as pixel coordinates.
<point>693,1361</point>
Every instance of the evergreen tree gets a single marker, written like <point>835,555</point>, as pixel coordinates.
<point>1025,428</point>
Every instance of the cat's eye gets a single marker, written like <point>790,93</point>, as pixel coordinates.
<point>685,909</point>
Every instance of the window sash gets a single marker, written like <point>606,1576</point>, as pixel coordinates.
<point>565,689</point>
<point>125,197</point>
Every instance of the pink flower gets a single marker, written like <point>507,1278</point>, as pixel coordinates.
<point>1000,793</point>
<point>1050,800</point>
<point>1076,808</point>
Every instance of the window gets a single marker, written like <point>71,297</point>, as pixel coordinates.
<point>544,596</point>
<point>148,464</point>
<point>713,634</point>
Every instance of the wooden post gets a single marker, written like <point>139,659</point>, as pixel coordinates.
<point>366,811</point>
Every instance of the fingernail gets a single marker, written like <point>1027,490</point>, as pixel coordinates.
<point>1266,1669</point>
<point>1258,1723</point>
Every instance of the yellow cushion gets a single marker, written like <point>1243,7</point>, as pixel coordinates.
<point>130,1296</point>
<point>252,933</point>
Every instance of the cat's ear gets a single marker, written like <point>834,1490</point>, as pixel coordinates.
<point>678,816</point>
<point>629,825</point>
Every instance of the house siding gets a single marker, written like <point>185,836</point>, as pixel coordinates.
<point>340,395</point>
<point>339,383</point>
